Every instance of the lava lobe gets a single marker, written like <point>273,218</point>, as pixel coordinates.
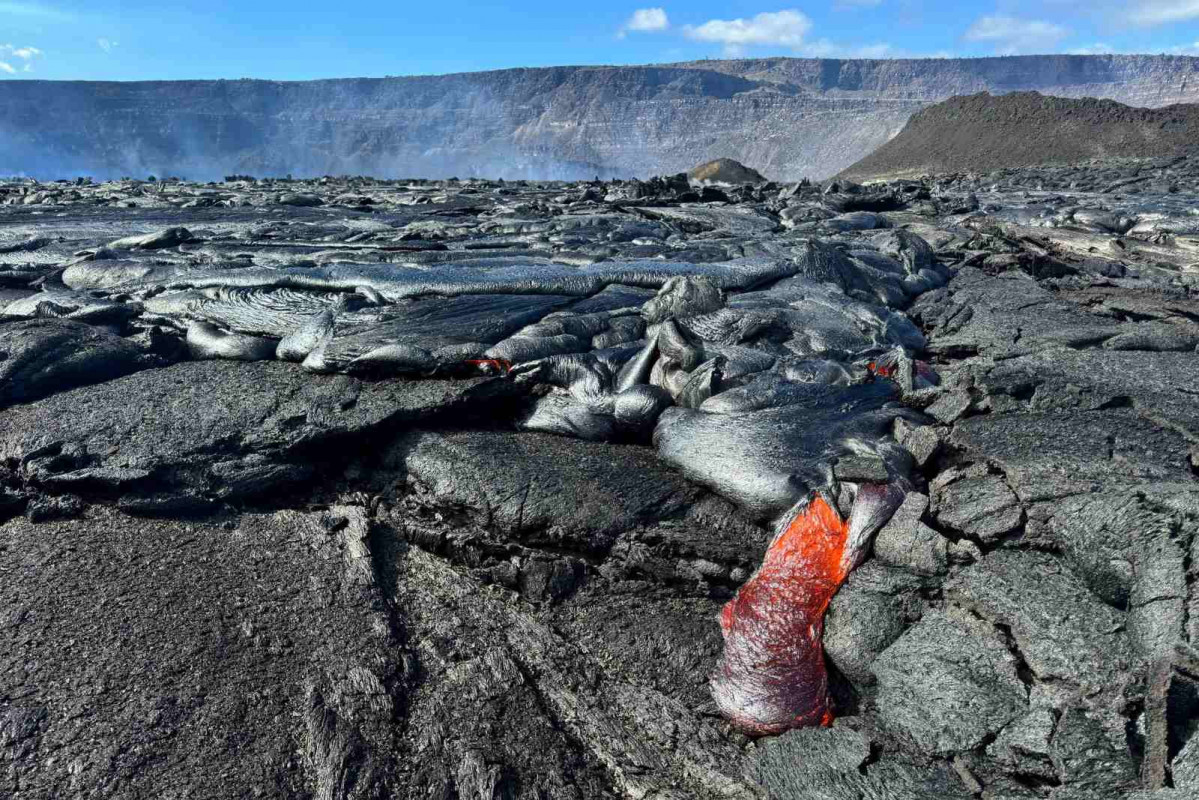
<point>771,676</point>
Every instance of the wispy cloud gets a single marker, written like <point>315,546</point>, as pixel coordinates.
<point>34,11</point>
<point>1104,49</point>
<point>107,45</point>
<point>1096,49</point>
<point>1148,13</point>
<point>824,48</point>
<point>1011,35</point>
<point>778,28</point>
<point>11,54</point>
<point>645,20</point>
<point>23,53</point>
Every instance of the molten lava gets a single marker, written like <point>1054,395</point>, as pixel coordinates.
<point>772,676</point>
<point>500,365</point>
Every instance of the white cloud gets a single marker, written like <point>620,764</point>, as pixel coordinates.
<point>647,20</point>
<point>23,53</point>
<point>778,28</point>
<point>1160,12</point>
<point>26,54</point>
<point>107,44</point>
<point>1011,35</point>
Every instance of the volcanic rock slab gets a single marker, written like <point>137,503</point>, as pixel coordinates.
<point>948,684</point>
<point>205,430</point>
<point>45,356</point>
<point>257,678</point>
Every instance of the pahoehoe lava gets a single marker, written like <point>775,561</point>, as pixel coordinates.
<point>354,488</point>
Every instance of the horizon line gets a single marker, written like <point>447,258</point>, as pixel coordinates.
<point>677,64</point>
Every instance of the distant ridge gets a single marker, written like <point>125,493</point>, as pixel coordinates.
<point>787,117</point>
<point>983,133</point>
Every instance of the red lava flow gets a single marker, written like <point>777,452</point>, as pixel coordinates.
<point>500,365</point>
<point>772,676</point>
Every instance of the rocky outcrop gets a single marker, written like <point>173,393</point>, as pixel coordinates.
<point>725,170</point>
<point>788,118</point>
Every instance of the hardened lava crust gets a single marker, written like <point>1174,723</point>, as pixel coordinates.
<point>349,488</point>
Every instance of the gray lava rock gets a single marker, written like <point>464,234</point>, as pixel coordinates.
<point>836,764</point>
<point>1062,631</point>
<point>1157,611</point>
<point>1054,454</point>
<point>1185,767</point>
<point>812,761</point>
<point>30,245</point>
<point>45,509</point>
<point>1156,337</point>
<point>1005,316</point>
<point>191,424</point>
<point>41,357</point>
<point>946,686</point>
<point>858,625</point>
<point>301,200</point>
<point>949,407</point>
<point>207,341</point>
<point>905,541</point>
<point>662,642</point>
<point>316,331</point>
<point>170,237</point>
<point>1099,534</point>
<point>1086,759</point>
<point>767,460</point>
<point>230,672</point>
<point>1155,383</point>
<point>545,490</point>
<point>682,297</point>
<point>922,441</point>
<point>861,469</point>
<point>498,681</point>
<point>1023,747</point>
<point>978,505</point>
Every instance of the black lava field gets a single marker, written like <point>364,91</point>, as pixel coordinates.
<point>350,488</point>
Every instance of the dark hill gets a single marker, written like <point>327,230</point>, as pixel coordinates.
<point>982,133</point>
<point>726,170</point>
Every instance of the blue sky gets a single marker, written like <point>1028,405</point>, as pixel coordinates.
<point>297,40</point>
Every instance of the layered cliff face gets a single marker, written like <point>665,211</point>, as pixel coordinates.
<point>788,118</point>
